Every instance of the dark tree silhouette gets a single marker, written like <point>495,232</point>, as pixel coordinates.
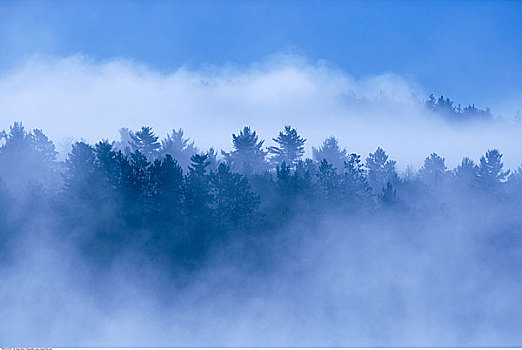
<point>355,180</point>
<point>446,108</point>
<point>329,182</point>
<point>80,177</point>
<point>167,189</point>
<point>113,202</point>
<point>198,196</point>
<point>234,204</point>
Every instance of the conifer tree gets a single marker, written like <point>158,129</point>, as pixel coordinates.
<point>212,160</point>
<point>43,146</point>
<point>80,175</point>
<point>304,178</point>
<point>198,199</point>
<point>146,142</point>
<point>380,170</point>
<point>17,140</point>
<point>234,204</point>
<point>179,147</point>
<point>285,192</point>
<point>26,157</point>
<point>248,156</point>
<point>197,192</point>
<point>355,180</point>
<point>433,171</point>
<point>490,169</point>
<point>167,190</point>
<point>329,182</point>
<point>105,162</point>
<point>290,147</point>
<point>125,144</point>
<point>331,151</point>
<point>139,166</point>
<point>466,172</point>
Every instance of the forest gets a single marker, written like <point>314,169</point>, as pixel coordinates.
<point>163,205</point>
<point>260,174</point>
<point>169,201</point>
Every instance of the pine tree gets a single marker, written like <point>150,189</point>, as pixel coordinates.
<point>137,191</point>
<point>167,191</point>
<point>43,146</point>
<point>146,142</point>
<point>329,182</point>
<point>248,156</point>
<point>490,172</point>
<point>442,106</point>
<point>114,168</point>
<point>380,170</point>
<point>212,160</point>
<point>331,151</point>
<point>123,172</point>
<point>197,191</point>
<point>355,180</point>
<point>304,178</point>
<point>466,172</point>
<point>27,157</point>
<point>17,140</point>
<point>473,113</point>
<point>198,199</point>
<point>125,144</point>
<point>434,170</point>
<point>283,175</point>
<point>179,147</point>
<point>80,175</point>
<point>290,147</point>
<point>514,183</point>
<point>285,192</point>
<point>233,202</point>
<point>105,163</point>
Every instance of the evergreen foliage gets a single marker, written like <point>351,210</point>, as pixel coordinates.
<point>490,173</point>
<point>248,156</point>
<point>115,197</point>
<point>331,152</point>
<point>145,142</point>
<point>447,108</point>
<point>381,171</point>
<point>289,149</point>
<point>433,171</point>
<point>179,147</point>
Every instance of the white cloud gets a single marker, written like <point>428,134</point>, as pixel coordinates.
<point>77,97</point>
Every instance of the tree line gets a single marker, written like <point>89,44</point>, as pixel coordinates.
<point>173,203</point>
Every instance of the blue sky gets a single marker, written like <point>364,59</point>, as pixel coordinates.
<point>469,50</point>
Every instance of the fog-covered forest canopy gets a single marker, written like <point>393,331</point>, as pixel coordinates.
<point>164,205</point>
<point>258,174</point>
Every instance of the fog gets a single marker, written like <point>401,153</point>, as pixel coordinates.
<point>118,243</point>
<point>352,280</point>
<point>77,97</point>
